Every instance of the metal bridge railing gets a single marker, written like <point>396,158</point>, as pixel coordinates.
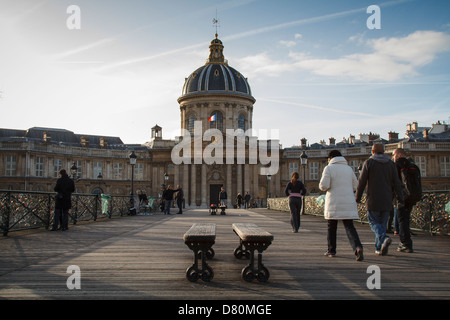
<point>20,210</point>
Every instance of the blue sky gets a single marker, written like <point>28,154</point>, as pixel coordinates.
<point>315,68</point>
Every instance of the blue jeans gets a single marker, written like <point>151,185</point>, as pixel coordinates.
<point>378,223</point>
<point>167,205</point>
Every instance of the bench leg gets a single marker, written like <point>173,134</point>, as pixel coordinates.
<point>206,273</point>
<point>241,251</point>
<point>250,272</point>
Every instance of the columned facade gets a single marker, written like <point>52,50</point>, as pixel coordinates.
<point>216,96</point>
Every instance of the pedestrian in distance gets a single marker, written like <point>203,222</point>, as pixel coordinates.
<point>339,181</point>
<point>247,200</point>
<point>295,190</point>
<point>64,188</point>
<point>168,198</point>
<point>379,174</point>
<point>180,199</point>
<point>222,197</point>
<point>239,200</point>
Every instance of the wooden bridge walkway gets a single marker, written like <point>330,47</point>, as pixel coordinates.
<point>144,257</point>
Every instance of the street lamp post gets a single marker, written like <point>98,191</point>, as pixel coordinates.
<point>133,158</point>
<point>303,162</point>
<point>73,170</point>
<point>269,177</point>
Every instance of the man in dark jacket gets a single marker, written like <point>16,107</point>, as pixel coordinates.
<point>64,188</point>
<point>223,197</point>
<point>379,173</point>
<point>403,212</point>
<point>168,198</point>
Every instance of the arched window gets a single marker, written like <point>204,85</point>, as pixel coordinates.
<point>190,125</point>
<point>241,122</point>
<point>216,120</point>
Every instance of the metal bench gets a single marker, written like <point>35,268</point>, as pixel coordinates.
<point>252,238</point>
<point>213,209</point>
<point>200,239</point>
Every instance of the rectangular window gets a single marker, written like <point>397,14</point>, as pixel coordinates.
<point>354,164</point>
<point>118,170</point>
<point>11,166</point>
<point>293,167</point>
<point>98,169</point>
<point>445,166</point>
<point>57,165</point>
<point>139,171</point>
<point>314,171</point>
<point>39,166</point>
<point>421,162</point>
<point>79,165</point>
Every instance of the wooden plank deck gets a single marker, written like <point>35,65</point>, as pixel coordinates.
<point>144,257</point>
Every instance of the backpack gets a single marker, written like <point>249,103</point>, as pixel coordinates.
<point>412,182</point>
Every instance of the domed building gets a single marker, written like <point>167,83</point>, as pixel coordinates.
<point>217,96</point>
<point>216,91</point>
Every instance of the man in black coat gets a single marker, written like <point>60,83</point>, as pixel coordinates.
<point>380,175</point>
<point>64,188</point>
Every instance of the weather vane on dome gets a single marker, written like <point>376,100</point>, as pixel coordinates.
<point>216,23</point>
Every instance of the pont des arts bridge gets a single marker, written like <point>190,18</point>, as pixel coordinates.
<point>20,210</point>
<point>144,257</point>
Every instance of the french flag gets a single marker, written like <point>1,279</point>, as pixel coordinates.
<point>212,118</point>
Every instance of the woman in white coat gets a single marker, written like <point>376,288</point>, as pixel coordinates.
<point>339,181</point>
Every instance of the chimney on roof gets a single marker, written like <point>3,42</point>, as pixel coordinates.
<point>332,141</point>
<point>103,142</point>
<point>46,137</point>
<point>425,134</point>
<point>303,143</point>
<point>85,141</point>
<point>393,136</point>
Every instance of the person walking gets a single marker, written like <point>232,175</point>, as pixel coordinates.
<point>339,181</point>
<point>404,212</point>
<point>295,190</point>
<point>180,199</point>
<point>239,200</point>
<point>379,173</point>
<point>247,200</point>
<point>64,188</point>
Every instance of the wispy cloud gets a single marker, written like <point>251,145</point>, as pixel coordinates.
<point>390,59</point>
<point>248,33</point>
<point>83,48</point>
<point>321,108</point>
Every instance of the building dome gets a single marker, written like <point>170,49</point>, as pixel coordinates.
<point>216,77</point>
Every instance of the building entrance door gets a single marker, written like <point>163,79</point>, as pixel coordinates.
<point>214,190</point>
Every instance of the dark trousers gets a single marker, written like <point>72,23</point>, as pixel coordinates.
<point>61,218</point>
<point>295,204</point>
<point>180,206</point>
<point>352,235</point>
<point>403,216</point>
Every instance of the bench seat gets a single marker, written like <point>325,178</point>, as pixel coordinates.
<point>251,232</point>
